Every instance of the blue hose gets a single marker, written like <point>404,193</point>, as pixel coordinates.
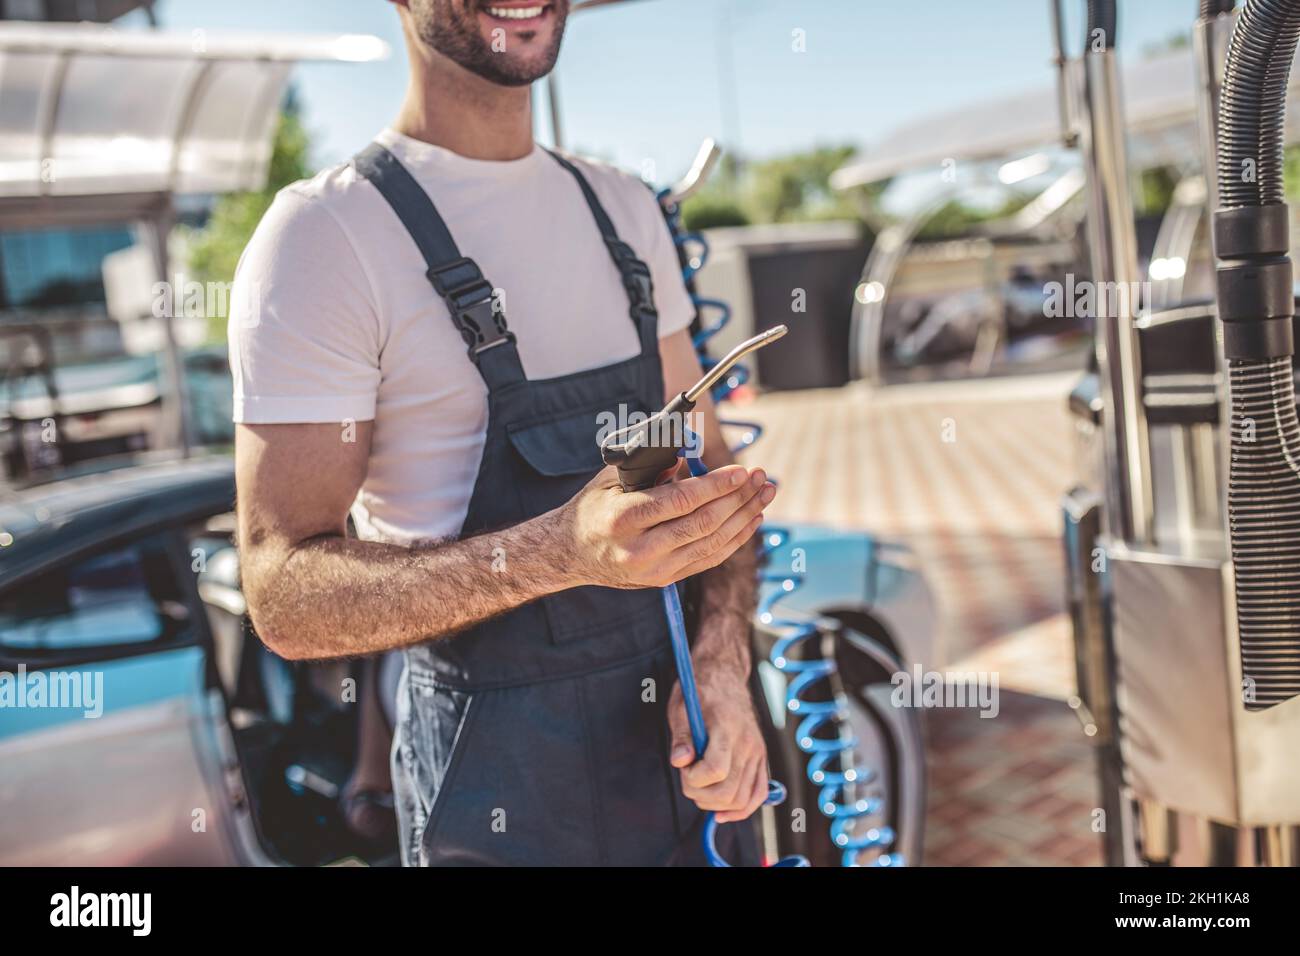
<point>825,752</point>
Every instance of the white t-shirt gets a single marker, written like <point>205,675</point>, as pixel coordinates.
<point>333,320</point>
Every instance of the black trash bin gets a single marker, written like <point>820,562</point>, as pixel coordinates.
<point>815,353</point>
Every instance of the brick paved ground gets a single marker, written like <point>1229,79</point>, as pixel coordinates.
<point>1015,790</point>
<point>969,475</point>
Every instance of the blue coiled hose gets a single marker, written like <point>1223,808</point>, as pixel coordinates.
<point>831,764</point>
<point>825,752</point>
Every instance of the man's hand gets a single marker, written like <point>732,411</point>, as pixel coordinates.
<point>655,537</point>
<point>732,777</point>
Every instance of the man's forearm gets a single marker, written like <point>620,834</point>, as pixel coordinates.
<point>727,597</point>
<point>332,596</point>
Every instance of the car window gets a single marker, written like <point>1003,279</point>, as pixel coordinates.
<point>122,596</point>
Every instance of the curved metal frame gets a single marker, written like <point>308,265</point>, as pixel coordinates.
<point>894,242</point>
<point>866,322</point>
<point>1176,238</point>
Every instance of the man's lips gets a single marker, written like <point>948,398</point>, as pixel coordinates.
<point>523,13</point>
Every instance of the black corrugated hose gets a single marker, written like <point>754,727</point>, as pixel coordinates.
<point>1212,8</point>
<point>1256,304</point>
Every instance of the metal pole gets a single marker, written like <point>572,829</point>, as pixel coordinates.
<point>553,102</point>
<point>177,429</point>
<point>728,91</point>
<point>1112,240</point>
<point>1061,62</point>
<point>1210,46</point>
<point>1276,846</point>
<point>1157,833</point>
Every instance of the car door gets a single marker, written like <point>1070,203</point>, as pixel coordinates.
<point>114,748</point>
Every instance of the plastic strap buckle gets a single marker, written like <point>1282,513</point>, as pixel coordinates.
<point>473,307</point>
<point>636,275</point>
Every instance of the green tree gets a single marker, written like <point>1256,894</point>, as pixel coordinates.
<point>955,218</point>
<point>1155,190</point>
<point>793,188</point>
<point>1178,40</point>
<point>705,211</point>
<point>1291,173</point>
<point>214,250</point>
<point>797,188</point>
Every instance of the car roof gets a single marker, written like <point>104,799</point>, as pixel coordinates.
<point>45,523</point>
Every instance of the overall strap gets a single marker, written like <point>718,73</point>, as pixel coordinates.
<point>456,279</point>
<point>634,272</point>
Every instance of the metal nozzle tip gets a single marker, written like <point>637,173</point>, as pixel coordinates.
<point>732,357</point>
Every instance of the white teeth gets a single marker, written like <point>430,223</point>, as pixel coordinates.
<point>516,13</point>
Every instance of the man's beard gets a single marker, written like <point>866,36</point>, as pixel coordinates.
<point>453,30</point>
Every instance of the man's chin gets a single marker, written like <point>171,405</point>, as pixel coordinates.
<point>520,72</point>
<point>522,66</point>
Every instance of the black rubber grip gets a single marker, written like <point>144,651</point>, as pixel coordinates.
<point>645,454</point>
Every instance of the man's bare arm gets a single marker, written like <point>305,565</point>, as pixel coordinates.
<point>315,593</point>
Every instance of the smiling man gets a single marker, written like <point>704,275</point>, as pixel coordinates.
<point>440,325</point>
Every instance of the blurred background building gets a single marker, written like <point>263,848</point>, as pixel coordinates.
<point>120,147</point>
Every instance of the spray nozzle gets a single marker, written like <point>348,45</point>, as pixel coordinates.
<point>646,453</point>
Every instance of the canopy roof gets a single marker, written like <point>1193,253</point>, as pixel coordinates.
<point>1159,106</point>
<point>87,109</point>
<point>100,11</point>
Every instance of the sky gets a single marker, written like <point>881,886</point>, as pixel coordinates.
<point>642,84</point>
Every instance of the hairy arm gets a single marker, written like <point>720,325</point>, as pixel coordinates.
<point>315,593</point>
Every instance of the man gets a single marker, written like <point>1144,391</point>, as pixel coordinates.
<point>494,549</point>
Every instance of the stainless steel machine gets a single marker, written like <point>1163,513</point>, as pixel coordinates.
<point>1182,555</point>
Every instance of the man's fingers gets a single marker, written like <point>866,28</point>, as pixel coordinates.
<point>704,521</point>
<point>607,477</point>
<point>756,796</point>
<point>710,771</point>
<point>718,539</point>
<point>679,498</point>
<point>682,751</point>
<point>717,557</point>
<point>729,795</point>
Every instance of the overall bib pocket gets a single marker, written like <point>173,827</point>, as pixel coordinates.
<point>560,456</point>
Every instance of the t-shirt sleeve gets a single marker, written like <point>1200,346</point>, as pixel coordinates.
<point>303,328</point>
<point>671,298</point>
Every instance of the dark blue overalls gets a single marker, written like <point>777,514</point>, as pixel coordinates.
<point>540,737</point>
